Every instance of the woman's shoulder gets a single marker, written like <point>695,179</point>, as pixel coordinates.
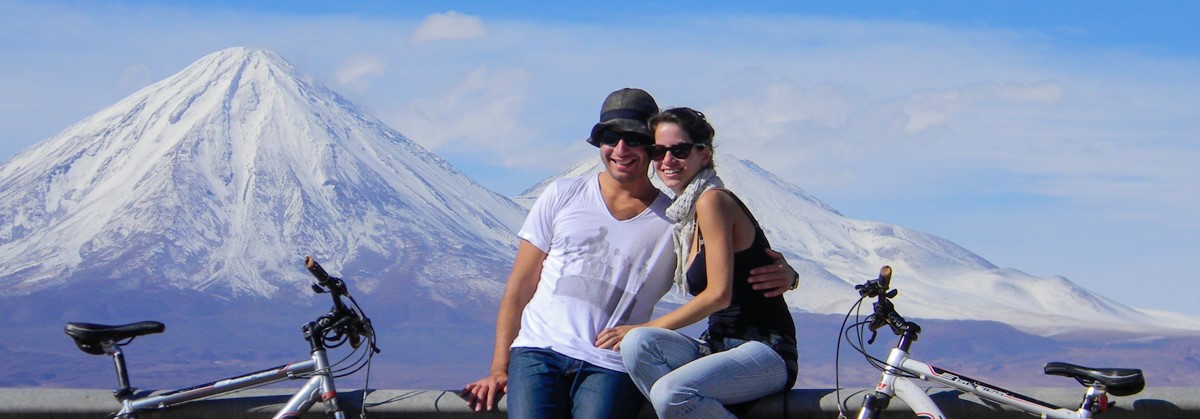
<point>718,195</point>
<point>717,199</point>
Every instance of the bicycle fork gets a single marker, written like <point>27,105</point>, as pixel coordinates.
<point>893,385</point>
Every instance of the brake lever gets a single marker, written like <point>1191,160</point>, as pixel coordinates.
<point>873,328</point>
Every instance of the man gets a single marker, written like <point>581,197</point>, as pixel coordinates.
<point>596,252</point>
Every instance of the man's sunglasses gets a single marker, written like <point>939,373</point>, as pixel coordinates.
<point>632,139</point>
<point>679,151</point>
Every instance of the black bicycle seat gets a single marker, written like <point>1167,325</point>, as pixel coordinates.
<point>1117,381</point>
<point>90,337</point>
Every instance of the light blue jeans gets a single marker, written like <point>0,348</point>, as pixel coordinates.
<point>680,381</point>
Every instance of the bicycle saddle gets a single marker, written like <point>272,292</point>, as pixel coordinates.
<point>1117,381</point>
<point>90,337</point>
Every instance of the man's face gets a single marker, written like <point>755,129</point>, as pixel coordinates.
<point>624,155</point>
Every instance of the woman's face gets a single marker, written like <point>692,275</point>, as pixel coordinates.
<point>673,171</point>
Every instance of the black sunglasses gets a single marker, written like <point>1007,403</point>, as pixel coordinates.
<point>632,139</point>
<point>679,151</point>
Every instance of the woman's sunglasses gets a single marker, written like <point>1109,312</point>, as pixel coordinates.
<point>679,151</point>
<point>632,139</point>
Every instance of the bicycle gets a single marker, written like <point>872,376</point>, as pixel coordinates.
<point>343,323</point>
<point>900,369</point>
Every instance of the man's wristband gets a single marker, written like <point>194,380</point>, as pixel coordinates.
<point>795,282</point>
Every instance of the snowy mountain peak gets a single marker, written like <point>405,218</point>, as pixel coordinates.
<point>220,176</point>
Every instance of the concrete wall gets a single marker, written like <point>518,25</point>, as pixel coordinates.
<point>1158,403</point>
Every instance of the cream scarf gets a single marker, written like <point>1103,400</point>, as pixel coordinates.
<point>683,213</point>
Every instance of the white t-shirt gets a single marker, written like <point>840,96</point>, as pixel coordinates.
<point>599,272</point>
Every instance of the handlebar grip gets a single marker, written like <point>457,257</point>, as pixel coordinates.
<point>316,270</point>
<point>885,277</point>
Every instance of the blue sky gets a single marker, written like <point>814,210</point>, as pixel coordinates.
<point>1058,138</point>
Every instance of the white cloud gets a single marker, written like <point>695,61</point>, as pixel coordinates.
<point>480,116</point>
<point>357,68</point>
<point>449,25</point>
<point>135,77</point>
<point>932,108</point>
<point>928,109</point>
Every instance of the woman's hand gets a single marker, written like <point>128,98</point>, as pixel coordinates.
<point>611,338</point>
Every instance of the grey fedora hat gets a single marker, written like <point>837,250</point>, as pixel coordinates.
<point>625,110</point>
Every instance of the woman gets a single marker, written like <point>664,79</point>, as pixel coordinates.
<point>751,338</point>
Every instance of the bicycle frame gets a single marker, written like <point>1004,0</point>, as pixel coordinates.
<point>900,370</point>
<point>320,387</point>
<point>343,324</point>
<point>895,384</point>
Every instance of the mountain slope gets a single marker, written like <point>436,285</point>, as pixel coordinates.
<point>937,279</point>
<point>219,178</point>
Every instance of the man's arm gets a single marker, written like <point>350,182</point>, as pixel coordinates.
<point>774,279</point>
<point>522,282</point>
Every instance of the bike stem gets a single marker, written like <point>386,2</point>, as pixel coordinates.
<point>908,336</point>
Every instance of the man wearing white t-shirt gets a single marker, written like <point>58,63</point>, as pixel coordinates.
<point>596,252</point>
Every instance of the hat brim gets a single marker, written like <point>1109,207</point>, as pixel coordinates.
<point>622,125</point>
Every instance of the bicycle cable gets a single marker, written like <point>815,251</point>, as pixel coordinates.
<point>837,355</point>
<point>879,364</point>
<point>370,349</point>
<point>860,347</point>
<point>367,379</point>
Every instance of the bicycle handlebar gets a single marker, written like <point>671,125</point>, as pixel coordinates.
<point>877,287</point>
<point>316,270</point>
<point>348,322</point>
<point>884,311</point>
<point>333,284</point>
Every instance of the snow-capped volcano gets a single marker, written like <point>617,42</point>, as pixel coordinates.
<point>221,177</point>
<point>935,277</point>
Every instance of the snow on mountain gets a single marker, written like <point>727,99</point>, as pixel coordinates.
<point>223,176</point>
<point>936,278</point>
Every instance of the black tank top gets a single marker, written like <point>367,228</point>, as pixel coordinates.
<point>750,315</point>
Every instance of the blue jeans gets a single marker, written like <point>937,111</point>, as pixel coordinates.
<point>546,384</point>
<point>680,381</point>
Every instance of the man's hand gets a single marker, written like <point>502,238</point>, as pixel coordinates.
<point>773,279</point>
<point>611,338</point>
<point>485,393</point>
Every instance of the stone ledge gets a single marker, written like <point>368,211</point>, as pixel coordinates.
<point>1158,403</point>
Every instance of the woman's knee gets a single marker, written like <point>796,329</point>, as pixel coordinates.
<point>639,343</point>
<point>634,337</point>
<point>667,398</point>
